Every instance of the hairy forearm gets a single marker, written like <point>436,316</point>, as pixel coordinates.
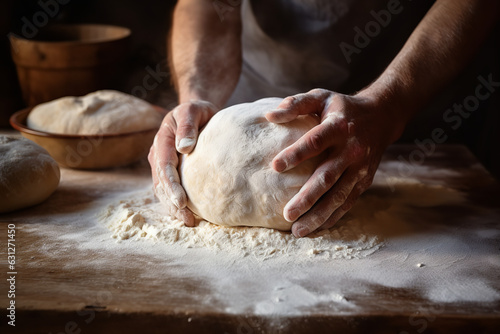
<point>441,45</point>
<point>204,52</point>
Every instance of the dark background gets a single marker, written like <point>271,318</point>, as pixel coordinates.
<point>149,21</point>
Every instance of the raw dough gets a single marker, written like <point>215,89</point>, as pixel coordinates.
<point>28,174</point>
<point>228,177</point>
<point>101,112</point>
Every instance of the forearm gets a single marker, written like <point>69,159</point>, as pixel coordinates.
<point>441,45</point>
<point>205,52</point>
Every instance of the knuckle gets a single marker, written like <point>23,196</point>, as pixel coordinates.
<point>348,204</point>
<point>290,100</point>
<point>151,155</point>
<point>362,173</point>
<point>339,124</point>
<point>296,99</point>
<point>188,110</point>
<point>316,219</point>
<point>315,142</point>
<point>337,101</point>
<point>208,106</point>
<point>340,196</point>
<point>327,179</point>
<point>329,223</point>
<point>308,201</point>
<point>177,110</point>
<point>294,157</point>
<point>344,100</point>
<point>359,151</point>
<point>155,140</point>
<point>162,168</point>
<point>317,91</point>
<point>184,127</point>
<point>170,167</point>
<point>364,184</point>
<point>322,94</point>
<point>194,108</point>
<point>315,222</point>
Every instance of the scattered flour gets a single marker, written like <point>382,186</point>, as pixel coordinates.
<point>140,216</point>
<point>190,270</point>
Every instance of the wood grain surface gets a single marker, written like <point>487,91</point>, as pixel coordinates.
<point>62,288</point>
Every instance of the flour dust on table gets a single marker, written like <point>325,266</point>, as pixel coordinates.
<point>140,216</point>
<point>437,251</point>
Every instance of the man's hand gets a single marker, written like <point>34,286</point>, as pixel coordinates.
<point>205,63</point>
<point>354,133</point>
<point>178,133</point>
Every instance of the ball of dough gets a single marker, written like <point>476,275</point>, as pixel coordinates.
<point>28,174</point>
<point>101,112</point>
<point>228,177</point>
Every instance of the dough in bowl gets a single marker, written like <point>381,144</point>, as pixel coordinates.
<point>28,174</point>
<point>228,177</point>
<point>101,112</point>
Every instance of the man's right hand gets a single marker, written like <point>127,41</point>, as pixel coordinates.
<point>178,133</point>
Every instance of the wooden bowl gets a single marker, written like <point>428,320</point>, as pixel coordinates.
<point>69,60</point>
<point>92,151</point>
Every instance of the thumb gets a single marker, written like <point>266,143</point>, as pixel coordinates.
<point>189,118</point>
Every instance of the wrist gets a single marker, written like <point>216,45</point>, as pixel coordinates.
<point>192,96</point>
<point>186,96</point>
<point>389,108</point>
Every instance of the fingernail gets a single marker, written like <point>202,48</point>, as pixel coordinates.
<point>280,165</point>
<point>187,218</point>
<point>176,202</point>
<point>185,142</point>
<point>276,111</point>
<point>292,215</point>
<point>300,232</point>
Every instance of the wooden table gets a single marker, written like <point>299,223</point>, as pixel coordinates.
<point>64,286</point>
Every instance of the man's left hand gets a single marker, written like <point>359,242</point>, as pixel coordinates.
<point>354,132</point>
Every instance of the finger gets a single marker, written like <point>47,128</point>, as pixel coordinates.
<point>300,104</point>
<point>170,181</point>
<point>324,208</point>
<point>152,163</point>
<point>344,208</point>
<point>189,118</point>
<point>185,215</point>
<point>323,179</point>
<point>166,162</point>
<point>311,144</point>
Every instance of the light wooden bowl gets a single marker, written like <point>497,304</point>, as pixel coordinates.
<point>69,60</point>
<point>89,152</point>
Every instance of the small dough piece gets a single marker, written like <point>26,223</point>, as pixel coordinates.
<point>28,174</point>
<point>101,112</point>
<point>228,177</point>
